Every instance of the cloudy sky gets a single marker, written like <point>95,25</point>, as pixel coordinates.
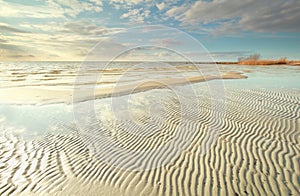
<point>68,30</point>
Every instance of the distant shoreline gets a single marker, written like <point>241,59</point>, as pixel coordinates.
<point>256,62</point>
<point>247,62</point>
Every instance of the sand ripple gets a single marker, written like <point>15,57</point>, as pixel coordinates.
<point>256,153</point>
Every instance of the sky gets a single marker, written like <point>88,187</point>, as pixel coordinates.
<point>222,30</point>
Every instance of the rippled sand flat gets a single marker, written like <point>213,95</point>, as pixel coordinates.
<point>256,152</point>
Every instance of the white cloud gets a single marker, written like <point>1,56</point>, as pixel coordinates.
<point>8,28</point>
<point>51,9</point>
<point>149,54</point>
<point>97,2</point>
<point>75,7</point>
<point>86,28</point>
<point>167,42</point>
<point>177,12</point>
<point>161,6</point>
<point>253,15</point>
<point>45,27</point>
<point>70,40</point>
<point>136,16</point>
<point>130,2</point>
<point>19,10</point>
<point>131,13</point>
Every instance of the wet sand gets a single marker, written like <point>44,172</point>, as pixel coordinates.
<point>257,153</point>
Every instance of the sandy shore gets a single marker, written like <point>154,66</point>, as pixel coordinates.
<point>256,153</point>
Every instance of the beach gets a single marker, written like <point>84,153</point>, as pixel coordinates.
<point>150,98</point>
<point>241,138</point>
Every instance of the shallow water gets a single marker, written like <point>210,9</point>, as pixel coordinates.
<point>273,77</point>
<point>30,121</point>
